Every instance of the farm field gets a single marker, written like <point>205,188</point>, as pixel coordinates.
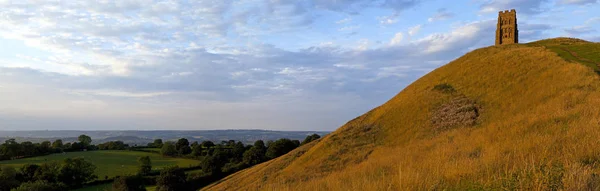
<point>109,163</point>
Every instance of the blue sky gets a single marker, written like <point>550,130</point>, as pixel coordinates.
<point>260,64</point>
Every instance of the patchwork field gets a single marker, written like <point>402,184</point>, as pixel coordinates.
<point>109,163</point>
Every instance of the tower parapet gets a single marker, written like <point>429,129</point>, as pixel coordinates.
<point>507,31</point>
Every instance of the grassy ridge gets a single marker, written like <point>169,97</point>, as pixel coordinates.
<point>538,129</point>
<point>108,163</point>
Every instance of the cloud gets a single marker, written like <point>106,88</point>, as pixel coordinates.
<point>414,30</point>
<point>522,6</point>
<point>442,14</point>
<point>397,39</point>
<point>579,30</point>
<point>577,2</point>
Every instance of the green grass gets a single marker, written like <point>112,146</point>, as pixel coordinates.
<point>574,50</point>
<point>151,149</point>
<point>109,163</point>
<point>100,187</point>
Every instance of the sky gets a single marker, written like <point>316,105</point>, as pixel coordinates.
<point>244,64</point>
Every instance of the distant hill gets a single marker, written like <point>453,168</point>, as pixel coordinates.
<point>144,137</point>
<point>510,117</point>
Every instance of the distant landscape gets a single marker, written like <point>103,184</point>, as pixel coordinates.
<point>144,137</point>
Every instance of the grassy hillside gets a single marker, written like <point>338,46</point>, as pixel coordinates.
<point>499,118</point>
<point>108,163</point>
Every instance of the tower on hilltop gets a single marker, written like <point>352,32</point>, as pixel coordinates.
<point>506,31</point>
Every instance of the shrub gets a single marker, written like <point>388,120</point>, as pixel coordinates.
<point>444,88</point>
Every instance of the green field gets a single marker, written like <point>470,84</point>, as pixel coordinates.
<point>109,163</point>
<point>101,187</point>
<point>151,149</point>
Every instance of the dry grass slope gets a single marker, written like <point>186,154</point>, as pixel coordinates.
<point>537,129</point>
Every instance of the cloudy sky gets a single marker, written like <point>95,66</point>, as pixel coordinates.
<point>221,64</point>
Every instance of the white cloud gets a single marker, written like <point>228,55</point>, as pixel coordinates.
<point>414,30</point>
<point>578,2</point>
<point>397,39</point>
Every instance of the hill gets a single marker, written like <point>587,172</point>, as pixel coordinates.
<point>508,117</point>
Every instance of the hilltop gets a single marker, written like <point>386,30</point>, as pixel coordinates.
<point>521,116</point>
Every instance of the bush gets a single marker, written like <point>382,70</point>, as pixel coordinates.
<point>444,88</point>
<point>129,183</point>
<point>40,185</point>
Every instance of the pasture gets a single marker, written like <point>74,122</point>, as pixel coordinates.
<point>109,163</point>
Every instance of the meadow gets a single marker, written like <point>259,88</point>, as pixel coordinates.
<point>109,163</point>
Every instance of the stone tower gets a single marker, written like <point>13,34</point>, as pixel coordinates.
<point>506,31</point>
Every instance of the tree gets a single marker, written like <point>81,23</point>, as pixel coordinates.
<point>310,138</point>
<point>213,164</point>
<point>280,147</point>
<point>183,146</point>
<point>145,165</point>
<point>58,144</point>
<point>27,149</point>
<point>45,147</point>
<point>11,148</point>
<point>28,172</point>
<point>85,140</point>
<point>208,145</point>
<point>256,154</point>
<point>48,172</point>
<point>75,172</point>
<point>168,149</point>
<point>237,153</point>
<point>129,183</point>
<point>8,178</point>
<point>158,143</point>
<point>171,179</point>
<point>197,150</point>
<point>40,185</point>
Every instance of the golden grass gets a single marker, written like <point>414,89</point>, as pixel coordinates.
<point>538,129</point>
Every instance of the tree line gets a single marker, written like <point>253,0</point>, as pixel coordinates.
<point>10,149</point>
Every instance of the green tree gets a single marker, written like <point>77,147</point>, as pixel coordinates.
<point>129,183</point>
<point>168,149</point>
<point>75,172</point>
<point>171,179</point>
<point>45,147</point>
<point>48,172</point>
<point>158,143</point>
<point>8,178</point>
<point>280,147</point>
<point>11,148</point>
<point>207,146</point>
<point>28,172</point>
<point>40,185</point>
<point>145,165</point>
<point>256,154</point>
<point>57,145</point>
<point>310,138</point>
<point>183,146</point>
<point>197,150</point>
<point>237,153</point>
<point>85,140</point>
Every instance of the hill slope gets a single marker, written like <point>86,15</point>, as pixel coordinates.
<point>503,117</point>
